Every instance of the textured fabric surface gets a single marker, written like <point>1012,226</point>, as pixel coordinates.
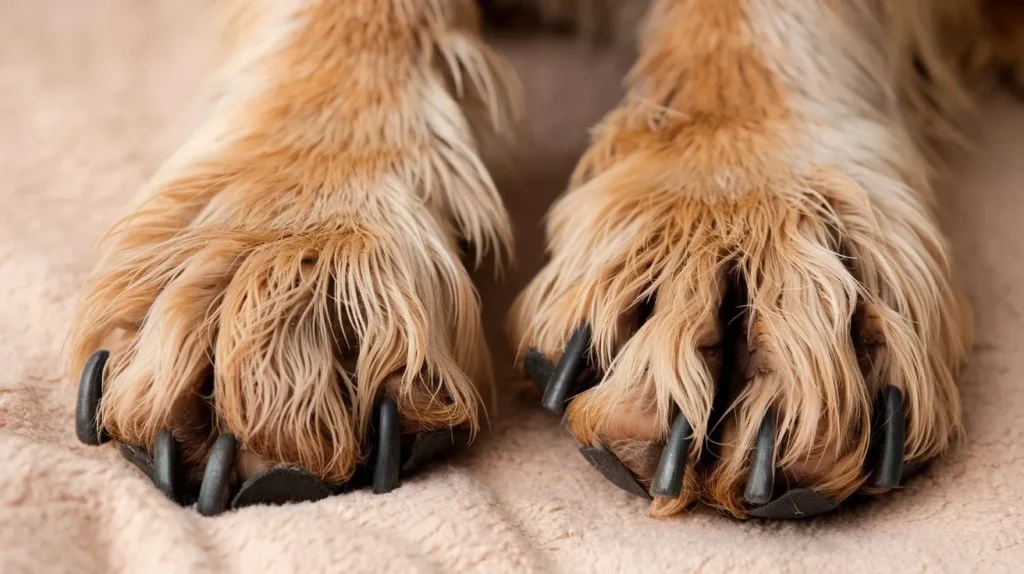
<point>94,94</point>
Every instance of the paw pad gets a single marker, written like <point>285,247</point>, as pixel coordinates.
<point>281,485</point>
<point>612,468</point>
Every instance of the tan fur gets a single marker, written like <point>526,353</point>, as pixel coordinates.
<point>788,143</point>
<point>305,239</point>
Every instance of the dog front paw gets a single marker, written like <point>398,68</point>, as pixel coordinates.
<point>748,298</point>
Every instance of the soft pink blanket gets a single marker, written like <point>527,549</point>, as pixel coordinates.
<point>94,94</point>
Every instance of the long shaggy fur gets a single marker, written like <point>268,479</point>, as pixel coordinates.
<point>789,145</point>
<point>305,242</point>
<point>300,255</point>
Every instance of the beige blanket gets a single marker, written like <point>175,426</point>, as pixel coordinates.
<point>95,93</point>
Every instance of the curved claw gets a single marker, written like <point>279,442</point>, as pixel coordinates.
<point>428,447</point>
<point>90,391</point>
<point>213,493</point>
<point>802,502</point>
<point>538,369</point>
<point>388,454</point>
<point>612,468</point>
<point>893,421</point>
<point>668,480</point>
<point>563,379</point>
<point>795,503</point>
<point>761,481</point>
<point>165,464</point>
<point>281,485</point>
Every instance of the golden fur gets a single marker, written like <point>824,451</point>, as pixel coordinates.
<point>306,240</point>
<point>783,143</point>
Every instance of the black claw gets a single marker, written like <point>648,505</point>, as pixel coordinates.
<point>213,493</point>
<point>388,453</point>
<point>564,378</point>
<point>668,480</point>
<point>281,485</point>
<point>796,503</point>
<point>761,481</point>
<point>612,468</point>
<point>430,446</point>
<point>890,462</point>
<point>165,464</point>
<point>90,390</point>
<point>138,457</point>
<point>538,368</point>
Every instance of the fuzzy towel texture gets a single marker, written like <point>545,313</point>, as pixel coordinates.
<point>93,95</point>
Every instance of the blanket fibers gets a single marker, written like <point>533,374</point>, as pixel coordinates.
<point>94,94</point>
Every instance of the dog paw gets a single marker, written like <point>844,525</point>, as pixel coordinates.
<point>323,346</point>
<point>286,312</point>
<point>735,348</point>
<point>733,316</point>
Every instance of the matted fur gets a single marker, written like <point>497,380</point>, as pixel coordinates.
<point>790,145</point>
<point>305,240</point>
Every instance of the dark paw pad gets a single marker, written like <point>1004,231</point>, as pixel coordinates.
<point>431,446</point>
<point>795,503</point>
<point>281,485</point>
<point>612,468</point>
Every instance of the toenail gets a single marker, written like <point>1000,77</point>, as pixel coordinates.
<point>213,493</point>
<point>281,485</point>
<point>538,368</point>
<point>564,378</point>
<point>891,429</point>
<point>165,464</point>
<point>612,468</point>
<point>90,391</point>
<point>388,455</point>
<point>668,480</point>
<point>761,481</point>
